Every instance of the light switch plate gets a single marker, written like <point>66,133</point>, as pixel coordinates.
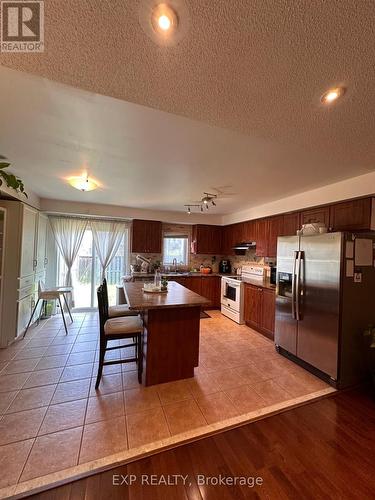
<point>357,277</point>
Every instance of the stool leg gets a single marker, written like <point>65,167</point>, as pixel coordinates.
<point>66,303</point>
<point>41,312</point>
<point>31,317</point>
<point>140,357</point>
<point>63,316</point>
<point>103,346</point>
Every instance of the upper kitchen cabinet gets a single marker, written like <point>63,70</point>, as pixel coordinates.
<point>146,236</point>
<point>318,214</point>
<point>275,229</point>
<point>261,237</point>
<point>249,231</point>
<point>355,215</point>
<point>206,239</point>
<point>291,224</point>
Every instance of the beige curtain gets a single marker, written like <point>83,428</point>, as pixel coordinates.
<point>107,236</point>
<point>68,232</point>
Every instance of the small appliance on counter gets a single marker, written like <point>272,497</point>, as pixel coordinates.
<point>273,275</point>
<point>225,267</point>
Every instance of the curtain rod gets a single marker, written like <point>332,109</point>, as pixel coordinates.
<point>86,217</point>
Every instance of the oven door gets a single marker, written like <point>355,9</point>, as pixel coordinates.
<point>230,294</point>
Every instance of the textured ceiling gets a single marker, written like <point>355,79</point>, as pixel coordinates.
<point>253,66</point>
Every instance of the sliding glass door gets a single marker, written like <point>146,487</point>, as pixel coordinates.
<point>86,272</point>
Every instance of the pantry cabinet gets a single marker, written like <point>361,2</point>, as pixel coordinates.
<point>24,264</point>
<point>146,236</point>
<point>259,309</point>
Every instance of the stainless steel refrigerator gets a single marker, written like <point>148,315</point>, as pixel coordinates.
<point>321,308</point>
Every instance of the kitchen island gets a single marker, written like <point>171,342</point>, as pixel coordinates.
<point>171,340</point>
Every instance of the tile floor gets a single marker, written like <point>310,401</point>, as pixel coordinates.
<point>51,417</point>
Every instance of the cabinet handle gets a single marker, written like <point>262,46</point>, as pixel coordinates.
<point>35,263</point>
<point>260,289</point>
<point>45,261</point>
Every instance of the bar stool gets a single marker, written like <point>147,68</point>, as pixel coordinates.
<point>51,294</point>
<point>118,311</point>
<point>130,327</point>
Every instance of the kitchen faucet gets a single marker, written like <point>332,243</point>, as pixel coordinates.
<point>174,264</point>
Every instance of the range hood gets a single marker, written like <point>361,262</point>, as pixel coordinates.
<point>245,245</point>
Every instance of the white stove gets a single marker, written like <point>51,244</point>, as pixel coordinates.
<point>232,304</point>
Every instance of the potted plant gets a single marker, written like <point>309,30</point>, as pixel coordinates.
<point>11,180</point>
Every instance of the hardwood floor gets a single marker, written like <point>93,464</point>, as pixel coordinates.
<point>322,450</point>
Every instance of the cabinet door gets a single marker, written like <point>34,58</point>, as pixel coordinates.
<point>41,242</point>
<point>146,236</point>
<point>319,214</point>
<point>211,289</point>
<point>25,306</point>
<point>268,312</point>
<point>275,229</point>
<point>28,241</point>
<point>249,231</point>
<point>352,215</point>
<point>194,283</point>
<point>207,239</point>
<point>261,238</point>
<point>291,224</point>
<point>252,305</point>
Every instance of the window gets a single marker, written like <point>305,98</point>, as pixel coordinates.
<point>86,272</point>
<point>175,246</point>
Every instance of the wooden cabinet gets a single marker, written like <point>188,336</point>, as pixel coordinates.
<point>291,224</point>
<point>319,214</point>
<point>259,309</point>
<point>146,236</point>
<point>194,283</point>
<point>211,289</point>
<point>207,239</point>
<point>261,238</point>
<point>249,231</point>
<point>355,215</point>
<point>275,229</point>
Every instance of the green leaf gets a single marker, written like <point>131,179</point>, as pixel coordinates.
<point>4,165</point>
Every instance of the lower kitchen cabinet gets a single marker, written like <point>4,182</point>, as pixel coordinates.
<point>194,283</point>
<point>211,289</point>
<point>259,309</point>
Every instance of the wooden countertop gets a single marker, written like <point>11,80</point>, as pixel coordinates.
<point>177,296</point>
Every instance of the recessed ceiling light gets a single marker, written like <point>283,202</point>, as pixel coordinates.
<point>83,183</point>
<point>164,19</point>
<point>332,95</point>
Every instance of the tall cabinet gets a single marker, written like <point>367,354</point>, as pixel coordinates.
<point>24,264</point>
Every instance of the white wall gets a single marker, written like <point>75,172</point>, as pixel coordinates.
<point>362,185</point>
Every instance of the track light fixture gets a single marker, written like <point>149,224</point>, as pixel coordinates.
<point>207,199</point>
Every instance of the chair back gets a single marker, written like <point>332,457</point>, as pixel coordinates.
<point>103,309</point>
<point>41,287</point>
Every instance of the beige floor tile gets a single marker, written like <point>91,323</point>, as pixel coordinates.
<point>103,438</point>
<point>77,372</point>
<point>52,362</point>
<point>107,370</point>
<point>140,434</point>
<point>35,397</point>
<point>42,342</point>
<point>53,452</point>
<point>64,416</point>
<point>56,350</point>
<point>217,407</point>
<point>271,392</point>
<point>300,384</point>
<point>80,358</point>
<point>203,383</point>
<point>87,338</point>
<point>12,460</point>
<point>43,377</point>
<point>183,416</point>
<point>174,391</point>
<point>130,380</point>
<point>105,407</point>
<point>245,399</point>
<point>13,382</point>
<point>20,366</point>
<point>31,352</point>
<point>108,384</point>
<point>71,391</point>
<point>141,399</point>
<point>68,339</point>
<point>5,400</point>
<point>228,379</point>
<point>251,374</point>
<point>84,346</point>
<point>20,426</point>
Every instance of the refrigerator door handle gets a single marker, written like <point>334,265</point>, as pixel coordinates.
<point>294,316</point>
<point>298,285</point>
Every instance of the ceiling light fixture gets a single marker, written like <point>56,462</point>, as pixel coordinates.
<point>189,207</point>
<point>332,95</point>
<point>207,199</point>
<point>164,19</point>
<point>83,183</point>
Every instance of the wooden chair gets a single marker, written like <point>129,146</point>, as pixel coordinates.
<point>130,327</point>
<point>51,294</point>
<point>118,311</point>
